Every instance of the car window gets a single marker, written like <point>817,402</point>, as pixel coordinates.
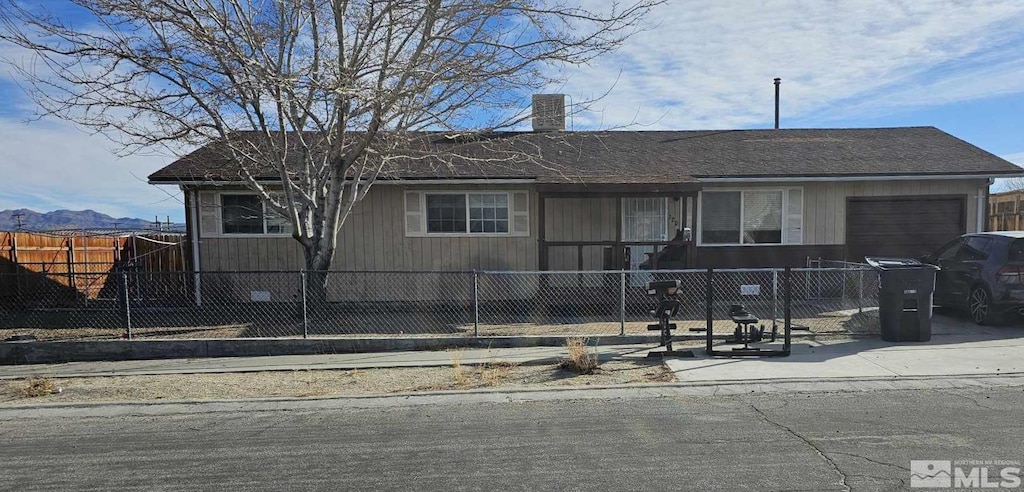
<point>995,245</point>
<point>974,249</point>
<point>948,252</point>
<point>1017,250</point>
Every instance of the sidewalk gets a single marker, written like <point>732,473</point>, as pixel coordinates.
<point>957,348</point>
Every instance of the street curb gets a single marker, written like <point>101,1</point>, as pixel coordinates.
<point>53,352</point>
<point>698,385</point>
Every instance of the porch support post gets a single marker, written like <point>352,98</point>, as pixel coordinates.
<point>691,260</point>
<point>542,251</point>
<point>620,250</point>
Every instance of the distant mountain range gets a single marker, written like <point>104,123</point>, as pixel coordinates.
<point>72,219</point>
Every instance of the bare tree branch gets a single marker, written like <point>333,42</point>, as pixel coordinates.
<point>324,95</point>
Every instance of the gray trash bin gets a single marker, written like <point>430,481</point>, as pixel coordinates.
<point>905,288</point>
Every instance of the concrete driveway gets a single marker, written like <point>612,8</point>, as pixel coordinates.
<point>957,347</point>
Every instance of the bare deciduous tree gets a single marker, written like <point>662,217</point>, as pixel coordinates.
<point>321,95</point>
<point>1010,184</point>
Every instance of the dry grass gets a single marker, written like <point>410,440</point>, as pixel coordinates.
<point>319,383</point>
<point>580,360</point>
<point>36,387</point>
<point>458,372</point>
<point>487,374</point>
<point>496,372</point>
<point>53,326</point>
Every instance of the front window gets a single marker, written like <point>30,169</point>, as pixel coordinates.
<point>446,213</point>
<point>762,217</point>
<point>475,213</point>
<point>247,214</point>
<point>488,212</point>
<point>720,217</point>
<point>749,217</point>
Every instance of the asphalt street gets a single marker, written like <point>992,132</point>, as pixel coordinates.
<point>788,441</point>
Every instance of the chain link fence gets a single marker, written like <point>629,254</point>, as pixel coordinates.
<point>128,304</point>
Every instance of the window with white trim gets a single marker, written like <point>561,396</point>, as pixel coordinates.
<point>748,217</point>
<point>473,213</point>
<point>242,213</point>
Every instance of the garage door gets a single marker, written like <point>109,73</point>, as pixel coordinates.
<point>909,227</point>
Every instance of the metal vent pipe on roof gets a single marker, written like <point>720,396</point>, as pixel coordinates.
<point>778,82</point>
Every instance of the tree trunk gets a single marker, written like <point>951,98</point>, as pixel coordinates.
<point>318,264</point>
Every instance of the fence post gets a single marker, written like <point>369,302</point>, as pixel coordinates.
<point>775,294</point>
<point>71,262</point>
<point>860,290</point>
<point>788,310</point>
<point>476,304</point>
<point>305,315</point>
<point>622,303</point>
<point>127,304</point>
<point>709,293</point>
<point>88,271</point>
<point>842,296</point>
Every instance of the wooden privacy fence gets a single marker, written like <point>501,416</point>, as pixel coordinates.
<point>80,262</point>
<point>1006,211</point>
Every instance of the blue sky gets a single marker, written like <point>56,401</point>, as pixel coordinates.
<point>709,64</point>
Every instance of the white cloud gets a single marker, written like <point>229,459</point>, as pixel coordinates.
<point>54,165</point>
<point>710,64</point>
<point>704,64</point>
<point>51,164</point>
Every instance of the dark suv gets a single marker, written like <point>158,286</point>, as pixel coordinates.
<point>982,274</point>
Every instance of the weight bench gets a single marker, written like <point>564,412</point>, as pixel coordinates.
<point>748,327</point>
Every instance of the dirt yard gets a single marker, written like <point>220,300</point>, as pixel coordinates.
<point>838,322</point>
<point>305,384</point>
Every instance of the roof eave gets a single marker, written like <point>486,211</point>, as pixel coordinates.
<point>855,177</point>
<point>696,179</point>
<point>404,181</point>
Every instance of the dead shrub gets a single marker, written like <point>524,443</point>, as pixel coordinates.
<point>493,373</point>
<point>460,374</point>
<point>580,360</point>
<point>36,387</point>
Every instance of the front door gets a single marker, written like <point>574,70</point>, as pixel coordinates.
<point>643,219</point>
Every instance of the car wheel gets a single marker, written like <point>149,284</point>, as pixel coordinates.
<point>980,305</point>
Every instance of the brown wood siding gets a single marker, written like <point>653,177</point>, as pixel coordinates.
<point>226,254</point>
<point>969,189</point>
<point>373,239</point>
<point>825,202</point>
<point>580,219</point>
<point>909,226</point>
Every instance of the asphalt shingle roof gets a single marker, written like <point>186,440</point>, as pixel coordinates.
<point>680,156</point>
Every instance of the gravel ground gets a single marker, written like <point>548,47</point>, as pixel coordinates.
<point>837,323</point>
<point>302,384</point>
